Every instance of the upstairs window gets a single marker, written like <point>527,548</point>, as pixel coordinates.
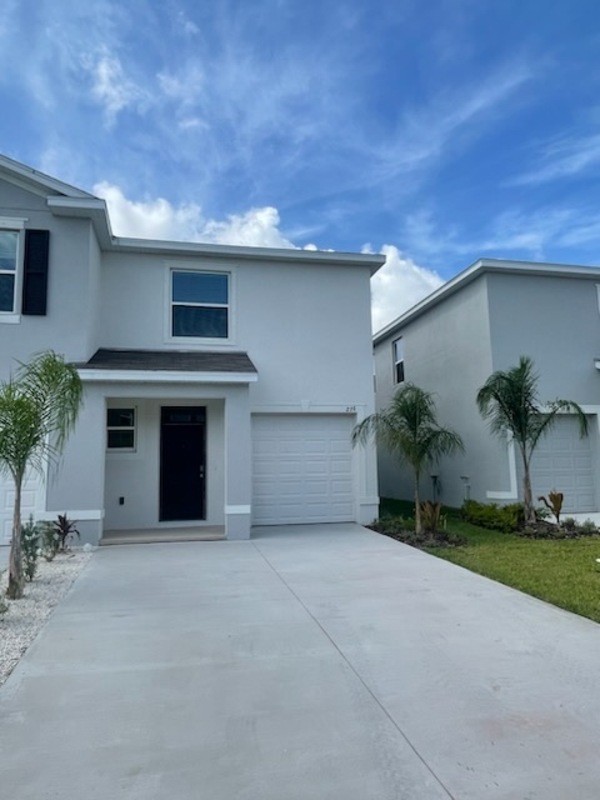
<point>398,348</point>
<point>9,249</point>
<point>200,304</point>
<point>23,270</point>
<point>120,429</point>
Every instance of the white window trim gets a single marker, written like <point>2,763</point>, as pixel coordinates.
<point>16,224</point>
<point>172,267</point>
<point>396,381</point>
<point>134,428</point>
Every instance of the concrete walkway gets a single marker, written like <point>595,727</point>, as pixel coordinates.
<point>326,662</point>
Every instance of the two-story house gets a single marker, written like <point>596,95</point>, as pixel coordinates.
<point>482,321</point>
<point>221,384</point>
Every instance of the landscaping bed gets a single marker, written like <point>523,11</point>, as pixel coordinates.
<point>558,566</point>
<point>25,617</point>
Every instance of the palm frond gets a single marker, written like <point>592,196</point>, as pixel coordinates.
<point>408,429</point>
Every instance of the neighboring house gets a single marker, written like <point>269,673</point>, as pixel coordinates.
<point>482,321</point>
<point>221,383</point>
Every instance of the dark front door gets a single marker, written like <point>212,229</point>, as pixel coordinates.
<point>182,462</point>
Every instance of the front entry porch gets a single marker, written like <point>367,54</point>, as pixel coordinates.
<point>162,449</point>
<point>207,533</point>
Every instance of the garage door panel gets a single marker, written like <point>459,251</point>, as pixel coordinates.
<point>563,461</point>
<point>305,474</point>
<point>312,467</point>
<point>31,502</point>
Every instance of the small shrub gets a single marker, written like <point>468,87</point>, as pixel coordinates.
<point>30,542</point>
<point>50,540</point>
<point>490,515</point>
<point>393,524</point>
<point>430,516</point>
<point>403,530</point>
<point>587,527</point>
<point>569,524</point>
<point>541,512</point>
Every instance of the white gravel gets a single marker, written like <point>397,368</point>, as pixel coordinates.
<point>20,624</point>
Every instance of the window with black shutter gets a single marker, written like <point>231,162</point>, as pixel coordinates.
<point>35,272</point>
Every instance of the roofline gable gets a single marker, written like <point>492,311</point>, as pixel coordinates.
<point>476,270</point>
<point>36,181</point>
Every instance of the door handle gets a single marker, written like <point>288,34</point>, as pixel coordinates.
<point>202,471</point>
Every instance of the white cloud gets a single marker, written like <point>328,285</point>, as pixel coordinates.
<point>426,131</point>
<point>159,219</point>
<point>111,87</point>
<point>563,158</point>
<point>398,285</point>
<point>151,219</point>
<point>258,227</point>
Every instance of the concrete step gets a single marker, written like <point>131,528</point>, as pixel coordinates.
<point>208,533</point>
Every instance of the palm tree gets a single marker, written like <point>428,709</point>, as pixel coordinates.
<point>408,428</point>
<point>38,409</point>
<point>509,400</point>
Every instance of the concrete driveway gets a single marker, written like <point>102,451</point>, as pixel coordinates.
<point>322,662</point>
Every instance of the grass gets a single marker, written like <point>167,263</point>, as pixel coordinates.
<point>562,572</point>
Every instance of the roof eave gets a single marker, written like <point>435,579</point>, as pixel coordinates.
<point>241,252</point>
<point>40,179</point>
<point>480,267</point>
<point>88,375</point>
<point>92,208</point>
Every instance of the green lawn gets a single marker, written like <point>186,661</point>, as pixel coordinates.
<point>562,572</point>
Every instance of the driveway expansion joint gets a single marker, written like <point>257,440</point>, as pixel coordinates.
<point>359,677</point>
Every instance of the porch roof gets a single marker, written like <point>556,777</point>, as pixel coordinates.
<point>169,365</point>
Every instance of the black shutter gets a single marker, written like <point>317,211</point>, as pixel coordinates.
<point>35,274</point>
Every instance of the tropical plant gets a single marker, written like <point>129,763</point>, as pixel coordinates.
<point>408,428</point>
<point>554,502</point>
<point>509,401</point>
<point>30,539</point>
<point>38,410</point>
<point>65,529</point>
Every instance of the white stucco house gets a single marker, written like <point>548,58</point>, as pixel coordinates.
<point>221,384</point>
<point>481,321</point>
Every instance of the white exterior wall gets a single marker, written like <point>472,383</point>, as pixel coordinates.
<point>447,351</point>
<point>452,347</point>
<point>306,327</point>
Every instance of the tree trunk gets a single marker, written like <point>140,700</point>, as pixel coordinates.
<point>528,507</point>
<point>15,565</point>
<point>417,507</point>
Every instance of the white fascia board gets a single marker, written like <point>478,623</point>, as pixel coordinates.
<point>92,208</point>
<point>237,252</point>
<point>170,376</point>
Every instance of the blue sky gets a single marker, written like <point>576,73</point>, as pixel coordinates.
<point>435,131</point>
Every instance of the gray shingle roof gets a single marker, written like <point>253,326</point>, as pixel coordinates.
<point>170,360</point>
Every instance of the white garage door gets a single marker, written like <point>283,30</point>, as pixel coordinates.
<point>302,468</point>
<point>563,461</point>
<point>32,497</point>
